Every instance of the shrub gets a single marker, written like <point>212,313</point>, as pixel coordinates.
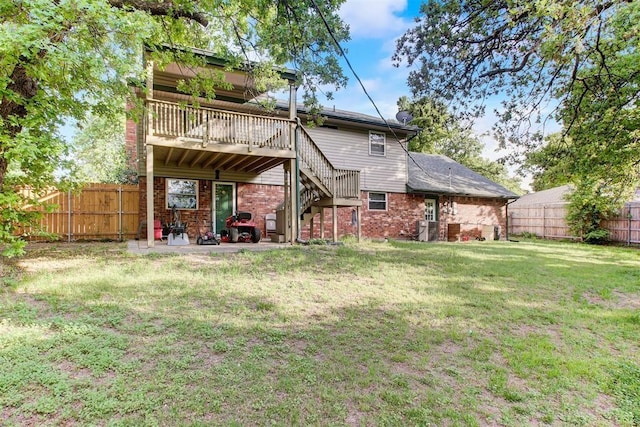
<point>597,236</point>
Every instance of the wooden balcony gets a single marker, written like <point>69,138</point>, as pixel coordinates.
<point>186,136</point>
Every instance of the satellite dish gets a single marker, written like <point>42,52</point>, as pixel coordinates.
<point>404,117</point>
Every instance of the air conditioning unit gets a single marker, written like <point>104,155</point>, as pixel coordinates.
<point>427,231</point>
<point>422,230</point>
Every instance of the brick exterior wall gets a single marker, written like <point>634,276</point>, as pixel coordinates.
<point>398,221</point>
<point>260,200</point>
<point>131,144</point>
<point>471,213</point>
<point>257,199</point>
<point>196,217</point>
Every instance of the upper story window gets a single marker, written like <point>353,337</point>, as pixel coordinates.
<point>377,201</point>
<point>182,194</point>
<point>377,144</point>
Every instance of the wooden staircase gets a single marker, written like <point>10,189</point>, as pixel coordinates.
<point>323,185</point>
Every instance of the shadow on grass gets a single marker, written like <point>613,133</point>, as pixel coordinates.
<point>461,342</point>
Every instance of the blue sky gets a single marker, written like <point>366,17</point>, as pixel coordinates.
<point>375,26</point>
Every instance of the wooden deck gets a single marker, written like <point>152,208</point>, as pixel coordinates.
<point>186,136</point>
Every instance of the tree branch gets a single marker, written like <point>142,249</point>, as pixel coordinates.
<point>520,67</point>
<point>161,9</point>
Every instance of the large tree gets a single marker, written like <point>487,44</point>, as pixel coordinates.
<point>551,165</point>
<point>572,62</point>
<point>61,59</point>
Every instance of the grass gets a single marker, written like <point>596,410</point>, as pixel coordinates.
<point>373,334</point>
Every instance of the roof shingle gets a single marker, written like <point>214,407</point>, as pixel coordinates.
<point>436,173</point>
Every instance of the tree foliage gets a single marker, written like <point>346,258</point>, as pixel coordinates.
<point>65,58</point>
<point>552,164</point>
<point>444,133</point>
<point>98,152</point>
<point>572,62</point>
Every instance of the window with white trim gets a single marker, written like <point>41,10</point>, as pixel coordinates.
<point>182,193</point>
<point>430,210</point>
<point>377,144</point>
<point>377,201</point>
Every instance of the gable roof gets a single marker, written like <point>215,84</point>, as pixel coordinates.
<point>556,195</point>
<point>436,173</point>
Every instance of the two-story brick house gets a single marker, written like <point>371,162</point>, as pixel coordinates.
<point>230,154</point>
<point>348,176</point>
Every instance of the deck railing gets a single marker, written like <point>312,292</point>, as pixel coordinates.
<point>171,120</point>
<point>167,119</point>
<point>347,183</point>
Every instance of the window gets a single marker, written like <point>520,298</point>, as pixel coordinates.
<point>377,144</point>
<point>378,201</point>
<point>430,210</point>
<point>182,194</point>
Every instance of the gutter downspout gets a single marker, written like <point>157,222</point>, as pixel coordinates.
<point>506,212</point>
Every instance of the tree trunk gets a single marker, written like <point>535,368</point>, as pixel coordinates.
<point>25,88</point>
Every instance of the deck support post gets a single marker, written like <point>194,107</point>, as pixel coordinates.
<point>293,197</point>
<point>335,223</point>
<point>322,223</point>
<point>287,202</point>
<point>150,231</point>
<point>149,159</point>
<point>359,219</point>
<point>294,173</point>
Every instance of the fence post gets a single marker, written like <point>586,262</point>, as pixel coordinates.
<point>544,221</point>
<point>629,217</point>
<point>120,233</point>
<point>69,222</point>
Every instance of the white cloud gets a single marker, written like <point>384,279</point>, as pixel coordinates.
<point>372,84</point>
<point>374,18</point>
<point>383,94</point>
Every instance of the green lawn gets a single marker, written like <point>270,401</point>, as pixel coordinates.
<point>392,333</point>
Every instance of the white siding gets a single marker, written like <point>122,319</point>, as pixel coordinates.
<point>349,148</point>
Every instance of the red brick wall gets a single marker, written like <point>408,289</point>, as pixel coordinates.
<point>403,211</point>
<point>400,218</point>
<point>398,221</point>
<point>471,213</point>
<point>259,199</point>
<point>198,217</point>
<point>131,144</point>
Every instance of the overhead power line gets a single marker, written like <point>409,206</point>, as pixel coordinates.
<point>364,89</point>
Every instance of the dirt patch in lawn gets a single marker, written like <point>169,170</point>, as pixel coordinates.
<point>623,300</point>
<point>618,301</point>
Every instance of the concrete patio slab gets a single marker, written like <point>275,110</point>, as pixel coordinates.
<point>140,247</point>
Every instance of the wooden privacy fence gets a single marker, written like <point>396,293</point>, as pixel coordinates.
<point>97,212</point>
<point>548,222</point>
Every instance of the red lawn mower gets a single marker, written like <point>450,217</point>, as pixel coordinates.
<point>240,228</point>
